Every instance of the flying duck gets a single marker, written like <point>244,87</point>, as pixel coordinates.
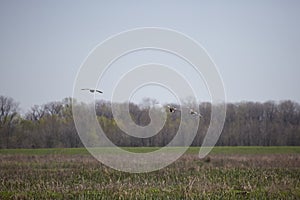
<point>192,112</point>
<point>92,90</point>
<point>172,109</point>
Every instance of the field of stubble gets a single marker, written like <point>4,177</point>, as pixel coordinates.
<point>227,173</point>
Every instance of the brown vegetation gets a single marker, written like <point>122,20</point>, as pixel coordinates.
<point>274,176</point>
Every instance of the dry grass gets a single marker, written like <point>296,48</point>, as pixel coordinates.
<point>271,176</point>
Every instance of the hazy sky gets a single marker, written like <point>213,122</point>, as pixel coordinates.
<point>255,44</point>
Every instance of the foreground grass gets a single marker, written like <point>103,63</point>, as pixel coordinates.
<point>228,173</point>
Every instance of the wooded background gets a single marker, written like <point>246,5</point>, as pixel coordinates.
<point>51,125</point>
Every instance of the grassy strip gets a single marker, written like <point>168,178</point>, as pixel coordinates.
<point>191,150</point>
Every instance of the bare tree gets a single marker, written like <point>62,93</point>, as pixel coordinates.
<point>35,113</point>
<point>8,114</point>
<point>54,108</point>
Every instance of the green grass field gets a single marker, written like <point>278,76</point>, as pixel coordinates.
<point>227,173</point>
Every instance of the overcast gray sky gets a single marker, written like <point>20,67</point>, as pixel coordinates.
<point>255,44</point>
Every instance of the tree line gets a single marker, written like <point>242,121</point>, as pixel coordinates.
<point>51,125</point>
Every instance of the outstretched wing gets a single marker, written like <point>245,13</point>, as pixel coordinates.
<point>99,91</point>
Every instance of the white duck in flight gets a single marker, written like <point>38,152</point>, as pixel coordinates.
<point>92,90</point>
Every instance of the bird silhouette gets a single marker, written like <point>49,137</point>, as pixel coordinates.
<point>92,90</point>
<point>192,112</point>
<point>172,109</point>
